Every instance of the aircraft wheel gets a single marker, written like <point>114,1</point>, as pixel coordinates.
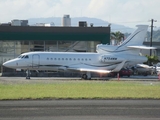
<point>84,76</point>
<point>27,77</point>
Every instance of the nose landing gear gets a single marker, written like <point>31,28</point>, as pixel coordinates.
<point>28,73</point>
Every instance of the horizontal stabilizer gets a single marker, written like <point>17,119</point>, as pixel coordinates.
<point>142,47</point>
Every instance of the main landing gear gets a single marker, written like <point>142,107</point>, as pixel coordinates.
<point>86,76</point>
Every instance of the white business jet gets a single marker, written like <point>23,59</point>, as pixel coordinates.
<point>105,61</point>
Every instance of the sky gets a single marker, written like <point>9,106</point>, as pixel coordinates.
<point>124,12</point>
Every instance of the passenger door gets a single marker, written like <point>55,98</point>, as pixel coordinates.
<point>35,61</point>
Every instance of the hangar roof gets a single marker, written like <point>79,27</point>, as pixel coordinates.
<point>55,33</point>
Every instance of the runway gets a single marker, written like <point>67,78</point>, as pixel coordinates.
<point>131,78</point>
<point>80,109</point>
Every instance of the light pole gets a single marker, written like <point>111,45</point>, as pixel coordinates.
<point>152,20</point>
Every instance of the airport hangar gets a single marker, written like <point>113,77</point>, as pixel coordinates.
<point>15,40</point>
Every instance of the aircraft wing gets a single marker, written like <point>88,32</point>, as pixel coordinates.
<point>119,67</point>
<point>94,70</point>
<point>142,47</point>
<point>85,69</point>
<point>88,70</point>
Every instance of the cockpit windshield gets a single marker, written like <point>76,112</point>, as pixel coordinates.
<point>20,56</point>
<point>23,56</point>
<point>26,56</point>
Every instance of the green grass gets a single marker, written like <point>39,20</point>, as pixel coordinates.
<point>81,90</point>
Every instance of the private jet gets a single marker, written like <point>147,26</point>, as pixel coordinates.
<point>107,59</point>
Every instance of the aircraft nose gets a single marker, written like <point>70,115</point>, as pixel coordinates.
<point>9,64</point>
<point>6,64</point>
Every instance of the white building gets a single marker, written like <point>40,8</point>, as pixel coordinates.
<point>66,21</point>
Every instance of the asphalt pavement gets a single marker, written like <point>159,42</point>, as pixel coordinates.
<point>80,109</point>
<point>132,78</point>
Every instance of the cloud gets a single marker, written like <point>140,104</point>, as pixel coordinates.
<point>114,11</point>
<point>23,9</point>
<point>125,11</point>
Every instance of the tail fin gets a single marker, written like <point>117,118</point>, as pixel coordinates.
<point>136,38</point>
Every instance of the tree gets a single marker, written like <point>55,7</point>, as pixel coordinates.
<point>118,36</point>
<point>152,59</point>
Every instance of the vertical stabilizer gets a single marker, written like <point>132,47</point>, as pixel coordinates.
<point>136,38</point>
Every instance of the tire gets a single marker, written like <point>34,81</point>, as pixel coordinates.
<point>84,76</point>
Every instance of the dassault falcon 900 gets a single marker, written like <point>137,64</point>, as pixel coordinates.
<point>107,59</point>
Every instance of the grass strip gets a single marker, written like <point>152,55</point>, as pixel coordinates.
<point>80,90</point>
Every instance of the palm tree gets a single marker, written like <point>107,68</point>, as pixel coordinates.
<point>118,36</point>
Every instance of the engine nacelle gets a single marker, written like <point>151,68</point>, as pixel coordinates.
<point>100,48</point>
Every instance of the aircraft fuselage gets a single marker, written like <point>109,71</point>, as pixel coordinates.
<point>64,61</point>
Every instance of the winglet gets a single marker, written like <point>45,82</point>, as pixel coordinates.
<point>119,67</point>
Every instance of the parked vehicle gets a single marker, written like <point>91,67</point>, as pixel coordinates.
<point>143,69</point>
<point>122,72</point>
<point>157,68</point>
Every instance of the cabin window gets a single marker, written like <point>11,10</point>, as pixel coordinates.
<point>74,58</point>
<point>82,59</point>
<point>86,59</point>
<point>89,59</point>
<point>78,59</point>
<point>70,58</point>
<point>59,59</point>
<point>62,58</point>
<point>51,58</point>
<point>55,58</point>
<point>47,58</point>
<point>66,58</point>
